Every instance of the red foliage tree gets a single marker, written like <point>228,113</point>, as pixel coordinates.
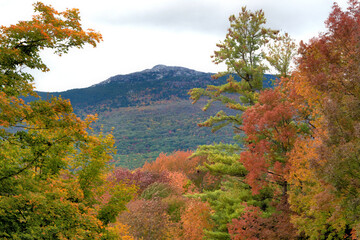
<point>271,131</point>
<point>252,225</point>
<point>327,80</point>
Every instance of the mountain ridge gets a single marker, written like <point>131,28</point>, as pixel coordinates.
<point>159,69</point>
<point>142,88</point>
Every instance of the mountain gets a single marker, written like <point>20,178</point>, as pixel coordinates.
<point>150,111</point>
<point>139,88</point>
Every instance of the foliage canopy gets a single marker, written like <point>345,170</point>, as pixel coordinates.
<point>51,163</point>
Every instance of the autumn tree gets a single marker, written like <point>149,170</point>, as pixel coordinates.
<point>247,51</point>
<point>178,161</point>
<point>148,219</point>
<point>186,166</point>
<point>195,220</point>
<point>122,231</point>
<point>242,55</point>
<point>140,178</point>
<point>315,150</point>
<point>280,54</point>
<point>327,82</point>
<point>51,161</point>
<point>271,129</point>
<point>254,224</point>
<point>112,200</point>
<point>334,73</point>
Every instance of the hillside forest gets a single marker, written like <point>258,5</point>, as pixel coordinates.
<point>292,170</point>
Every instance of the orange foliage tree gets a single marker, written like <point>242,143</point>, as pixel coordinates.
<point>51,161</point>
<point>178,161</point>
<point>325,165</point>
<point>195,220</point>
<point>184,165</point>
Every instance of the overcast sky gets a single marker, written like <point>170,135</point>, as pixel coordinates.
<point>139,34</point>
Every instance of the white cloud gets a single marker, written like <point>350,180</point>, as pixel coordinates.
<point>139,34</point>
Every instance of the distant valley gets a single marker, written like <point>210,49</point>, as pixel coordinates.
<point>149,112</point>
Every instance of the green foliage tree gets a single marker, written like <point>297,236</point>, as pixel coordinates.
<point>229,202</point>
<point>51,162</point>
<point>247,51</point>
<point>244,53</point>
<point>221,159</point>
<point>241,51</point>
<point>280,54</point>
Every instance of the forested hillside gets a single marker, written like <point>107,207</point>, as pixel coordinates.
<point>150,112</point>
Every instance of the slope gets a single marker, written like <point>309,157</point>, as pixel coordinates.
<point>150,112</point>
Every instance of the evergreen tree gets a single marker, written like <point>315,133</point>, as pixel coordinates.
<point>247,51</point>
